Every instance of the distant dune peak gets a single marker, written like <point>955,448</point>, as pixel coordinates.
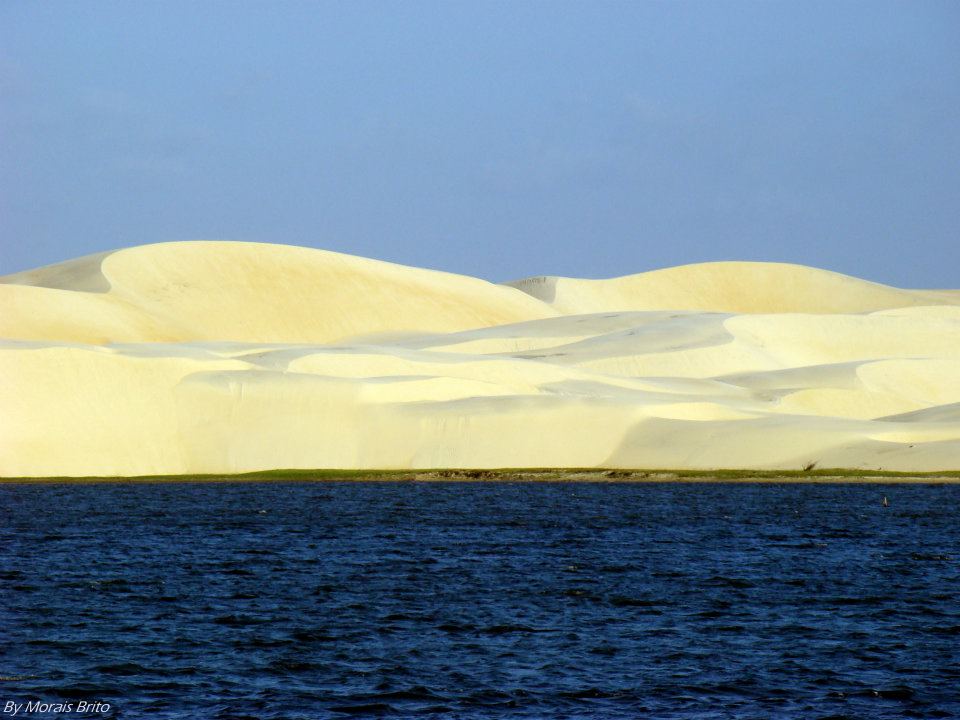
<point>728,286</point>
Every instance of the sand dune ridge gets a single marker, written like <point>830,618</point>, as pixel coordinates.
<point>219,357</point>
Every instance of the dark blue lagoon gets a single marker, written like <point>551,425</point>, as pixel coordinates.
<point>481,600</point>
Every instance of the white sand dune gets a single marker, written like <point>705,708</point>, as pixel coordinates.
<point>734,287</point>
<point>215,357</point>
<point>253,292</point>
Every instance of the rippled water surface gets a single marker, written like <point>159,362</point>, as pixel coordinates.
<point>314,600</point>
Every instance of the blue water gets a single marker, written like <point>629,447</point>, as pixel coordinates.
<point>316,600</point>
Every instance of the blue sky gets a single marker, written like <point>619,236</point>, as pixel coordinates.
<point>496,139</point>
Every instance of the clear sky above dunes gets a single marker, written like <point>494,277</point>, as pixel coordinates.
<point>496,139</point>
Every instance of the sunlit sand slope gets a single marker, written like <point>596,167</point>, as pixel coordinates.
<point>198,358</point>
<point>175,292</point>
<point>737,287</point>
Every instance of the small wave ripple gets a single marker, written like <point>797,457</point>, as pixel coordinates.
<point>481,600</point>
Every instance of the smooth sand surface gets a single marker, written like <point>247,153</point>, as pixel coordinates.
<point>222,357</point>
<point>735,287</point>
<point>195,291</point>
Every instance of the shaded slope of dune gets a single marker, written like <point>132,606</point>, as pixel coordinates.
<point>233,357</point>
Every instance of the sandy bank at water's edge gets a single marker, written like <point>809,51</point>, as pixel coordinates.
<point>538,475</point>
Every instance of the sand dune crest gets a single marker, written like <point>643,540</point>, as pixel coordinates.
<point>733,287</point>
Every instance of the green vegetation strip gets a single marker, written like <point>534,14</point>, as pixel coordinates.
<point>528,475</point>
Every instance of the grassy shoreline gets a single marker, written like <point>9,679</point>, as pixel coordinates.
<point>595,475</point>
